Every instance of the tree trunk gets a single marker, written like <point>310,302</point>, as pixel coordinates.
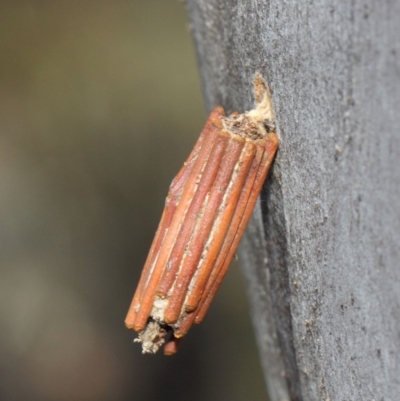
<point>322,252</point>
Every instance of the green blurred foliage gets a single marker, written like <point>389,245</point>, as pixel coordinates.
<point>100,103</point>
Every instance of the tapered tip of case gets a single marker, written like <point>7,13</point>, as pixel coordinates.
<point>156,335</point>
<point>152,337</point>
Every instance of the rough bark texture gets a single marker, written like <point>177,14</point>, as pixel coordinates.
<point>322,253</point>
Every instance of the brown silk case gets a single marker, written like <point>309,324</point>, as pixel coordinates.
<point>207,209</point>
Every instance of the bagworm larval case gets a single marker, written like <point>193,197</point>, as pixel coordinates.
<point>207,209</point>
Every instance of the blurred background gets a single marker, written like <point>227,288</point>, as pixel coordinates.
<point>100,103</point>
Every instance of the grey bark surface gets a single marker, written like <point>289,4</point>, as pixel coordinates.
<point>322,252</point>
